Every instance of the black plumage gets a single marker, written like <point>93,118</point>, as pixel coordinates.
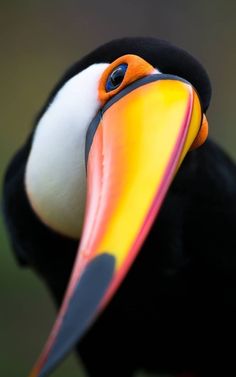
<point>176,309</point>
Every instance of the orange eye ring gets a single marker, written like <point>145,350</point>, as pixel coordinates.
<point>136,68</point>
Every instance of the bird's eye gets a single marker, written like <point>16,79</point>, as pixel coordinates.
<point>116,77</point>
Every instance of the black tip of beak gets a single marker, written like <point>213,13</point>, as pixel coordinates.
<point>82,308</point>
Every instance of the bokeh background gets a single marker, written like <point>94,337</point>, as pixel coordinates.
<point>39,39</point>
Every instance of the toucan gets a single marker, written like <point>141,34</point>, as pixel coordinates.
<point>125,209</point>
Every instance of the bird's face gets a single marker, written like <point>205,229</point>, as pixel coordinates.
<point>103,156</point>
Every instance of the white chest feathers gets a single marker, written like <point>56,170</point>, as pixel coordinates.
<point>55,173</point>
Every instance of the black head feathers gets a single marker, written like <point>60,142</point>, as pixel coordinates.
<point>161,54</point>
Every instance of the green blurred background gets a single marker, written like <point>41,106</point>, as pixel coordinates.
<point>39,40</point>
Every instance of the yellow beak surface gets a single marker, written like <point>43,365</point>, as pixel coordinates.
<point>138,143</point>
<point>138,146</point>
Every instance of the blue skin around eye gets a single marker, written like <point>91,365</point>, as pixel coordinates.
<point>109,85</point>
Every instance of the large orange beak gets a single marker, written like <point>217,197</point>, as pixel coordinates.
<point>134,148</point>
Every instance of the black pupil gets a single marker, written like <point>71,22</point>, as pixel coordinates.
<point>117,76</point>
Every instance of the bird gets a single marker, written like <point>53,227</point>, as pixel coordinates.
<point>126,209</point>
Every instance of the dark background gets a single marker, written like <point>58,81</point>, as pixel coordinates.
<point>39,40</point>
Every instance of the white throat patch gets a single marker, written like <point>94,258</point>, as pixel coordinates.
<point>55,172</point>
